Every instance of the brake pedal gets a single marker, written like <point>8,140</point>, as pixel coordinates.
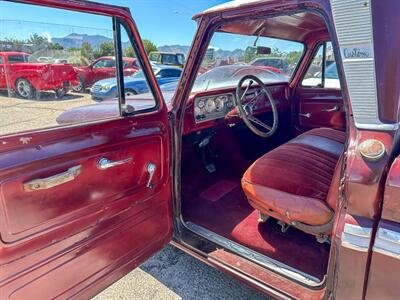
<point>284,226</point>
<point>262,218</point>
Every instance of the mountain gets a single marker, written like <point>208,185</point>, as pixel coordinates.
<point>218,53</point>
<point>174,48</point>
<point>75,40</point>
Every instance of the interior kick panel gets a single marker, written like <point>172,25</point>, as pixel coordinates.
<point>320,108</point>
<point>198,118</point>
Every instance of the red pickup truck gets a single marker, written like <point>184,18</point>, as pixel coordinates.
<point>19,73</point>
<point>102,68</point>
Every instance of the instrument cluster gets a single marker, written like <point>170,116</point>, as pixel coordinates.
<point>212,107</point>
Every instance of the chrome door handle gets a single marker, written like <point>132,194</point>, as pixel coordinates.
<point>335,108</point>
<point>307,115</point>
<point>52,181</point>
<point>151,169</point>
<point>105,163</point>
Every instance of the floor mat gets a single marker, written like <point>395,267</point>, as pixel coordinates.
<point>232,217</point>
<point>218,190</point>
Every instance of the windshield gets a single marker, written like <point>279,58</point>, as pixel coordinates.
<point>140,74</point>
<point>229,76</point>
<point>229,57</point>
<point>15,59</point>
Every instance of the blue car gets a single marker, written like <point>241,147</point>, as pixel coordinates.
<point>136,84</point>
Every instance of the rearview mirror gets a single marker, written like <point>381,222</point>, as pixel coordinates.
<point>258,50</point>
<point>263,50</point>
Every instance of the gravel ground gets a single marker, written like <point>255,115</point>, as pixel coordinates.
<point>170,274</point>
<point>19,114</point>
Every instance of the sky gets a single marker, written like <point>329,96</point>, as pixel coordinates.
<point>165,22</point>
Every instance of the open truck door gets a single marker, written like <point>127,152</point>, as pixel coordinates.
<point>83,204</point>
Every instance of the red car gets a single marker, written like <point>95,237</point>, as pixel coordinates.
<point>102,68</point>
<point>20,73</point>
<point>301,202</point>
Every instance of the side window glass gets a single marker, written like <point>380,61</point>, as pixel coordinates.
<point>48,79</point>
<point>322,72</point>
<point>138,94</point>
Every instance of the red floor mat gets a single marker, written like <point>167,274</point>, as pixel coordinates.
<point>232,217</point>
<point>219,190</point>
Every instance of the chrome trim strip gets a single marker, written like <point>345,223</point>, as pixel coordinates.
<point>254,256</point>
<point>380,127</point>
<point>356,237</point>
<point>387,242</point>
<point>353,23</point>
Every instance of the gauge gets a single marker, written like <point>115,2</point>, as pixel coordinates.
<point>210,105</point>
<point>197,111</point>
<point>201,104</point>
<point>220,102</point>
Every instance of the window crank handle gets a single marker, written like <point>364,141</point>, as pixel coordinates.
<point>151,168</point>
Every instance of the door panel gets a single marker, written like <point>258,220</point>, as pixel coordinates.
<point>27,213</point>
<point>83,229</point>
<point>320,107</point>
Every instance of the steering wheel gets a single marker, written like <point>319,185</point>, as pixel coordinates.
<point>245,107</point>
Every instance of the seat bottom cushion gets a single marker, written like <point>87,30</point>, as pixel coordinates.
<point>291,182</point>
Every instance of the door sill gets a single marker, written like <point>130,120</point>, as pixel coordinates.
<point>257,258</point>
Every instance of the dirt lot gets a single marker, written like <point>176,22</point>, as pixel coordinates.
<point>171,274</point>
<point>19,114</point>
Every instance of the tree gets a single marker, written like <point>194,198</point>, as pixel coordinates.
<point>149,46</point>
<point>129,52</point>
<point>87,51</point>
<point>249,54</point>
<point>106,49</point>
<point>37,40</point>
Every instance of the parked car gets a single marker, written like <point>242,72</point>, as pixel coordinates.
<point>290,189</point>
<point>331,79</point>
<point>20,73</point>
<point>134,84</point>
<point>167,58</point>
<point>276,64</point>
<point>102,68</point>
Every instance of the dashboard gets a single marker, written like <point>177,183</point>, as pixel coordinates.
<point>209,109</point>
<point>213,107</point>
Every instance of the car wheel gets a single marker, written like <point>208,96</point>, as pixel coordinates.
<point>130,92</point>
<point>24,88</point>
<point>60,93</point>
<point>80,88</point>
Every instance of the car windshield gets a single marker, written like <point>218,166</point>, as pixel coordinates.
<point>331,71</point>
<point>229,57</point>
<point>140,74</point>
<point>169,59</point>
<point>229,76</point>
<point>15,59</point>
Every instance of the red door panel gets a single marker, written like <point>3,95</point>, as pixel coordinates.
<point>59,241</point>
<point>320,107</point>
